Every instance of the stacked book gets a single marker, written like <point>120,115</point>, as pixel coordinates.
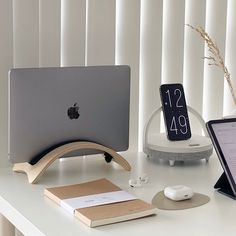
<point>99,202</point>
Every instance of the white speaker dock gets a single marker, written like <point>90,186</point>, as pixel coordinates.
<point>158,146</point>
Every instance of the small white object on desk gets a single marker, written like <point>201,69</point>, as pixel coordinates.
<point>143,179</point>
<point>178,192</point>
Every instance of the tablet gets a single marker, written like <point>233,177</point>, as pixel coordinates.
<point>223,135</point>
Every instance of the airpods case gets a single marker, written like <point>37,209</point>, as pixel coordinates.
<point>178,192</point>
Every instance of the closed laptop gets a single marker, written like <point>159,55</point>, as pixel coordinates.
<point>52,106</point>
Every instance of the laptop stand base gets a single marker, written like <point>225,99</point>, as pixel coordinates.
<point>34,172</point>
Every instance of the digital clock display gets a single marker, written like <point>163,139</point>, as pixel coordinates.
<point>175,112</point>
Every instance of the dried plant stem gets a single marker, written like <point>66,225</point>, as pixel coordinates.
<point>215,57</point>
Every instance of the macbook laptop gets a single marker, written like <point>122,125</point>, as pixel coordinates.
<point>53,106</point>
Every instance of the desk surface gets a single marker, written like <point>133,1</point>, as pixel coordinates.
<point>33,214</point>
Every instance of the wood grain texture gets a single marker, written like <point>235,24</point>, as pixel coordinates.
<point>34,172</point>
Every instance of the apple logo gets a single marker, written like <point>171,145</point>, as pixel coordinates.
<point>73,112</point>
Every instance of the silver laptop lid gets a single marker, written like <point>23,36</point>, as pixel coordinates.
<point>52,106</point>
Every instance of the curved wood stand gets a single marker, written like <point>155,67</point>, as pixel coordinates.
<point>34,172</point>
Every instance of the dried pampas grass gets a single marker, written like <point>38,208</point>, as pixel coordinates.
<point>215,57</point>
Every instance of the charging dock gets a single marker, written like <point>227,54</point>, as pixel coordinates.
<point>158,146</point>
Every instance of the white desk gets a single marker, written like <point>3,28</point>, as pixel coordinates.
<point>33,214</point>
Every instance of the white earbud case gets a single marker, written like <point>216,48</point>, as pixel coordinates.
<point>178,192</point>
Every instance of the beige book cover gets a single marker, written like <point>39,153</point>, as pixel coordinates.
<point>100,214</point>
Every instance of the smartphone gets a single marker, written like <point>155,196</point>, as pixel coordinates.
<point>175,112</point>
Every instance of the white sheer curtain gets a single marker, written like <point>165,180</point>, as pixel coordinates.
<point>213,84</point>
<point>150,36</point>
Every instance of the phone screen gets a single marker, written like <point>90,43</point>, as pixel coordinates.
<point>175,112</point>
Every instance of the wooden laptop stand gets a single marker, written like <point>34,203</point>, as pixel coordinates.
<point>34,172</point>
